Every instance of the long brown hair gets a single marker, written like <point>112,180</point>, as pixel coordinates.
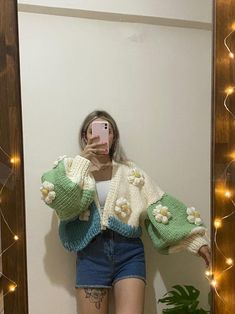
<point>116,151</point>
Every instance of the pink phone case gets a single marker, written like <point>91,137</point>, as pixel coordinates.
<point>101,128</point>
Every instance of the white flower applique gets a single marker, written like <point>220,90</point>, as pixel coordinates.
<point>194,216</point>
<point>136,177</point>
<point>84,216</point>
<point>161,214</point>
<point>122,208</point>
<point>56,162</point>
<point>48,193</point>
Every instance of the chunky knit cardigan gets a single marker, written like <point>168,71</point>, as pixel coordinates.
<point>69,188</point>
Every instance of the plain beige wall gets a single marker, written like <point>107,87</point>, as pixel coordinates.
<point>192,10</point>
<point>155,81</point>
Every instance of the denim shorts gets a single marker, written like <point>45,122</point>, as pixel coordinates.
<point>108,258</point>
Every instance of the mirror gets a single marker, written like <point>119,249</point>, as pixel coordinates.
<point>150,68</point>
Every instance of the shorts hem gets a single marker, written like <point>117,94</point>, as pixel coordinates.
<point>92,286</point>
<point>130,276</point>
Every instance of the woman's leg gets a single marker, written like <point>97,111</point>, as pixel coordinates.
<point>93,300</point>
<point>129,296</point>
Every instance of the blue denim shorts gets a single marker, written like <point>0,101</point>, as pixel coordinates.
<point>108,258</point>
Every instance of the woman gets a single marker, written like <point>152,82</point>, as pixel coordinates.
<point>101,199</point>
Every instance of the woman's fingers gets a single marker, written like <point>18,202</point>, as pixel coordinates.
<point>98,150</point>
<point>91,139</point>
<point>97,145</point>
<point>204,252</point>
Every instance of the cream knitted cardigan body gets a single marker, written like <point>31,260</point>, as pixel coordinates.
<point>133,197</point>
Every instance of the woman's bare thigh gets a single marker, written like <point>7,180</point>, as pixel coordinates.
<point>129,296</point>
<point>93,300</point>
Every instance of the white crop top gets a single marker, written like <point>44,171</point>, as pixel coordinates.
<point>102,188</point>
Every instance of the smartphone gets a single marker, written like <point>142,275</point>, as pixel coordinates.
<point>101,129</point>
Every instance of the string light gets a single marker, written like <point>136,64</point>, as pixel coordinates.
<point>214,283</point>
<point>12,288</point>
<point>232,155</point>
<point>13,160</point>
<point>227,194</point>
<point>229,261</point>
<point>229,91</point>
<point>208,273</point>
<point>218,223</point>
<point>231,55</point>
<point>213,279</point>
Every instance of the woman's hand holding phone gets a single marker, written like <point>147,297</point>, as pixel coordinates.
<point>93,148</point>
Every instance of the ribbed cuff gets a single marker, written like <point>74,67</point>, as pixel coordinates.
<point>79,167</point>
<point>194,242</point>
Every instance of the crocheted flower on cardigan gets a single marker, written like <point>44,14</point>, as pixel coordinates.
<point>58,160</point>
<point>85,215</point>
<point>161,214</point>
<point>122,208</point>
<point>48,193</point>
<point>194,216</point>
<point>136,177</point>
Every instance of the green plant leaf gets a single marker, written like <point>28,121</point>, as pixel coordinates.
<point>184,299</point>
<point>176,310</point>
<point>185,296</point>
<point>194,305</point>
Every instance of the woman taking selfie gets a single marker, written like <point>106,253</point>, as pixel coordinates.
<point>102,199</point>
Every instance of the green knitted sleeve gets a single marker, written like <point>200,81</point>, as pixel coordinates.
<point>171,224</point>
<point>68,188</point>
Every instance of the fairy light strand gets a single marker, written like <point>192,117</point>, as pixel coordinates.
<point>231,54</point>
<point>218,222</point>
<point>13,160</point>
<point>229,91</point>
<point>4,152</point>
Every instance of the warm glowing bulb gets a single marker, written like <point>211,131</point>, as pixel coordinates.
<point>213,283</point>
<point>229,90</point>
<point>12,288</point>
<point>232,155</point>
<point>218,223</point>
<point>229,261</point>
<point>231,55</point>
<point>16,237</point>
<point>233,26</point>
<point>227,194</point>
<point>208,273</point>
<point>14,160</point>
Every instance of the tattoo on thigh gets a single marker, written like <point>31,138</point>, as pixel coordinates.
<point>95,295</point>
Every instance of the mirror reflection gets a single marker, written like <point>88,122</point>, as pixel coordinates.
<point>152,75</point>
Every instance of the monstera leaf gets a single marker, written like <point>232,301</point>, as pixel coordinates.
<point>184,299</point>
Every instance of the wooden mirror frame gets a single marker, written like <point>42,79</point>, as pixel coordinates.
<point>11,141</point>
<point>222,145</point>
<point>13,203</point>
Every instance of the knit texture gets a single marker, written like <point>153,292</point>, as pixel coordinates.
<point>71,199</point>
<point>75,235</point>
<point>178,228</point>
<point>191,243</point>
<point>70,189</point>
<point>124,229</point>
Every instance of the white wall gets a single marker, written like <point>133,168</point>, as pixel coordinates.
<point>155,81</point>
<point>195,10</point>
